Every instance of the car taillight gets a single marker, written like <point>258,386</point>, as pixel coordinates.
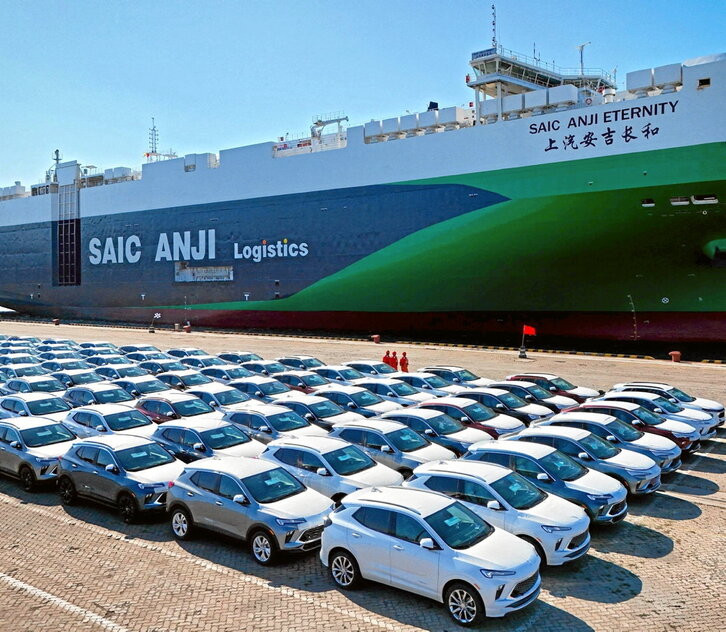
<point>171,484</point>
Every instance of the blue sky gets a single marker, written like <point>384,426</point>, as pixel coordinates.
<point>87,77</point>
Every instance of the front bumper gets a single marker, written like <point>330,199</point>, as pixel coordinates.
<point>611,514</point>
<point>307,539</point>
<point>45,471</point>
<point>568,549</point>
<point>639,487</point>
<point>516,599</point>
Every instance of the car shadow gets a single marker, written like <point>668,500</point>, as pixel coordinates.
<point>664,506</point>
<point>593,579</point>
<point>717,447</point>
<point>690,484</point>
<point>632,539</point>
<point>705,464</point>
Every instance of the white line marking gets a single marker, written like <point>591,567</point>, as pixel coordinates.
<point>87,615</point>
<point>210,566</point>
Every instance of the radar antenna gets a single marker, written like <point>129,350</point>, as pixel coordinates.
<point>51,174</point>
<point>153,154</point>
<point>494,26</point>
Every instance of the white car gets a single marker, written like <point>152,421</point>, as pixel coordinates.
<point>457,375</point>
<point>318,410</point>
<point>429,383</point>
<point>266,422</point>
<point>330,466</point>
<point>372,368</point>
<point>506,403</point>
<point>91,421</point>
<point>702,422</point>
<point>221,397</point>
<point>430,545</point>
<point>396,391</point>
<point>676,396</point>
<point>34,404</point>
<point>535,394</point>
<point>357,398</point>
<point>557,528</point>
<point>339,373</point>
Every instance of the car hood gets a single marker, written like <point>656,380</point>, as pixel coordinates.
<point>631,460</point>
<point>598,483</point>
<point>56,416</point>
<point>691,414</point>
<point>505,422</point>
<point>469,435</point>
<point>377,476</point>
<point>306,431</point>
<point>561,401</point>
<point>707,404</point>
<point>559,512</point>
<point>480,381</point>
<point>502,551</point>
<point>453,389</point>
<point>308,504</point>
<point>417,397</point>
<point>139,431</point>
<point>431,452</point>
<point>344,418</point>
<point>676,426</point>
<point>535,409</point>
<point>584,392</point>
<point>250,448</point>
<point>651,441</point>
<point>384,407</point>
<point>52,451</point>
<point>161,474</point>
<point>213,416</point>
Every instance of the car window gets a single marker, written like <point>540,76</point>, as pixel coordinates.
<point>189,438</point>
<point>353,435</point>
<point>526,467</point>
<point>87,454</point>
<point>173,435</point>
<point>566,446</point>
<point>206,480</point>
<point>415,424</point>
<point>374,440</point>
<point>375,519</point>
<point>309,461</point>
<point>408,529</point>
<point>104,458</point>
<point>492,457</point>
<point>228,487</point>
<point>11,435</point>
<point>474,492</point>
<point>444,485</point>
<point>165,409</point>
<point>288,456</point>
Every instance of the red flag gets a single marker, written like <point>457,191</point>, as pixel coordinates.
<point>528,330</point>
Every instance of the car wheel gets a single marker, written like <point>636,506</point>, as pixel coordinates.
<point>127,508</point>
<point>67,491</point>
<point>181,524</point>
<point>464,605</point>
<point>263,548</point>
<point>27,478</point>
<point>344,570</point>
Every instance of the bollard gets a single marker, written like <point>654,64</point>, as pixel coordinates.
<point>188,328</point>
<point>152,330</point>
<point>376,338</point>
<point>56,321</point>
<point>523,353</point>
<point>177,327</point>
<point>675,356</point>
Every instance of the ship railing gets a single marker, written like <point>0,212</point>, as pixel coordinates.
<point>309,145</point>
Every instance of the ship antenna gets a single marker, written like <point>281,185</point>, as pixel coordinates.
<point>153,154</point>
<point>494,26</point>
<point>581,48</point>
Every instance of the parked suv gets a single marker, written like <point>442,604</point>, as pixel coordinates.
<point>250,499</point>
<point>556,385</point>
<point>266,422</point>
<point>506,403</point>
<point>340,373</point>
<point>100,393</point>
<point>475,415</point>
<point>130,473</point>
<point>172,405</point>
<point>34,384</point>
<point>371,368</point>
<point>303,381</point>
<point>318,410</point>
<point>223,398</point>
<point>268,389</point>
<point>357,399</point>
<point>457,375</point>
<point>30,448</point>
<point>430,545</point>
<point>535,394</point>
<point>396,391</point>
<point>302,362</point>
<point>90,421</point>
<point>182,380</point>
<point>430,383</point>
<point>557,528</point>
<point>33,404</point>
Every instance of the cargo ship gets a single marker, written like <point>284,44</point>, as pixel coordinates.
<point>550,198</point>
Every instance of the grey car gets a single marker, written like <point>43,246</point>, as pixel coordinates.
<point>129,473</point>
<point>640,474</point>
<point>266,422</point>
<point>30,448</point>
<point>251,499</point>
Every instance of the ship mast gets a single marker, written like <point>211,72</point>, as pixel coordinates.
<point>153,154</point>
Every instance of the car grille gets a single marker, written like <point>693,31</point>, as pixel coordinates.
<point>311,534</point>
<point>522,588</point>
<point>616,509</point>
<point>578,540</point>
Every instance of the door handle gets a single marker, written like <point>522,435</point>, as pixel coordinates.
<point>355,535</point>
<point>218,502</point>
<point>73,465</point>
<point>398,547</point>
<point>190,494</point>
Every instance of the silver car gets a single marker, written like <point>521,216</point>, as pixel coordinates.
<point>30,448</point>
<point>251,499</point>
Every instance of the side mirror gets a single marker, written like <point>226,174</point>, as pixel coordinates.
<point>428,544</point>
<point>101,428</point>
<point>240,499</point>
<point>265,429</point>
<point>391,394</point>
<point>456,379</point>
<point>22,413</point>
<point>464,419</point>
<point>385,448</point>
<point>584,456</point>
<point>544,477</point>
<point>309,416</point>
<point>494,505</point>
<point>638,423</point>
<point>672,400</point>
<point>265,372</point>
<point>340,379</point>
<point>529,398</point>
<point>259,394</point>
<point>352,405</point>
<point>429,432</point>
<point>111,468</point>
<point>15,445</point>
<point>213,404</point>
<point>134,392</point>
<point>612,439</point>
<point>553,389</point>
<point>199,447</point>
<point>429,387</point>
<point>321,471</point>
<point>658,410</point>
<point>226,377</point>
<point>499,407</point>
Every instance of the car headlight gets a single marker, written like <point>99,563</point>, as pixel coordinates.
<point>289,522</point>
<point>551,528</point>
<point>599,498</point>
<point>491,573</point>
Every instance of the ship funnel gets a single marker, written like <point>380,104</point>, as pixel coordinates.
<point>609,95</point>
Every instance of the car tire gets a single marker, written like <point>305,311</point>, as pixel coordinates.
<point>464,604</point>
<point>67,491</point>
<point>181,524</point>
<point>263,547</point>
<point>127,508</point>
<point>344,570</point>
<point>27,478</point>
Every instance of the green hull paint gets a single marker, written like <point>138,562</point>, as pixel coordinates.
<point>573,237</point>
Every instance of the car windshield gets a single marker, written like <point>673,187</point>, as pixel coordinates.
<point>273,387</point>
<point>326,409</point>
<point>518,491</point>
<point>406,440</point>
<point>150,386</point>
<point>313,380</point>
<point>131,371</point>
<point>623,431</point>
<point>350,374</point>
<point>273,485</point>
<point>24,371</point>
<point>191,407</point>
<point>196,352</point>
<point>47,386</point>
<point>173,366</point>
<point>562,467</point>
<point>599,447</point>
<point>349,460</point>
<point>232,396</point>
<point>670,407</point>
<point>477,412</point>
<point>459,527</point>
<point>647,417</point>
<point>76,364</point>
<point>562,384</point>
<point>274,367</point>
<point>445,425</point>
<point>282,422</point>
<point>195,379</point>
<point>435,381</point>
<point>465,375</point>
<point>224,437</point>
<point>113,396</point>
<point>86,378</point>
<point>311,363</point>
<point>680,395</point>
<point>47,406</point>
<point>115,360</point>
<point>143,457</point>
<point>365,398</point>
<point>539,392</point>
<point>126,420</point>
<point>511,401</point>
<point>403,389</point>
<point>46,435</point>
<point>237,372</point>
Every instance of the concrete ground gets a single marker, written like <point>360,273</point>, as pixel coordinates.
<point>81,568</point>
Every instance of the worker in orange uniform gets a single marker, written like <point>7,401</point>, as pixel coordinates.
<point>404,363</point>
<point>394,361</point>
<point>387,358</point>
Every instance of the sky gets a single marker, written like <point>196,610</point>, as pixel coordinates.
<point>86,78</point>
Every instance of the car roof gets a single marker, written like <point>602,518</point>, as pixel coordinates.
<point>179,372</point>
<point>23,423</point>
<point>116,441</point>
<point>488,472</point>
<point>301,398</point>
<point>576,415</point>
<point>420,413</point>
<point>31,397</point>
<point>323,445</point>
<point>170,396</point>
<point>420,374</point>
<point>239,466</point>
<point>547,376</point>
<point>535,450</point>
<point>339,388</point>
<point>447,367</point>
<point>297,372</point>
<point>81,371</point>
<point>612,403</point>
<point>554,431</point>
<point>97,386</point>
<point>359,361</point>
<point>263,408</point>
<point>33,378</point>
<point>211,387</point>
<point>386,381</point>
<point>195,423</point>
<point>451,401</point>
<point>136,378</point>
<point>296,357</point>
<point>105,409</point>
<point>218,367</point>
<point>513,383</point>
<point>418,501</point>
<point>639,394</point>
<point>487,390</point>
<point>662,385</point>
<point>381,425</point>
<point>334,367</point>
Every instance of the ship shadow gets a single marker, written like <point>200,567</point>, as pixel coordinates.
<point>632,539</point>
